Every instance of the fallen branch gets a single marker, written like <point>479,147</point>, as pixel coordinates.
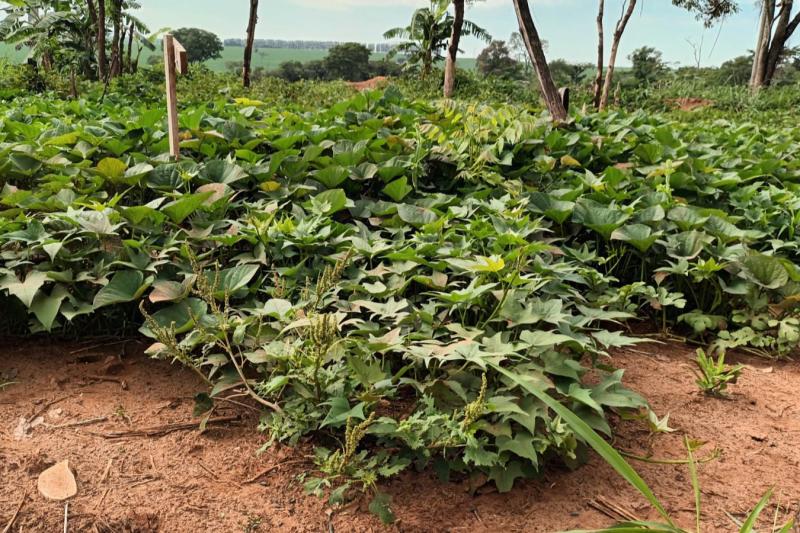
<point>713,455</point>
<point>48,405</point>
<point>611,509</point>
<point>102,499</point>
<point>270,469</point>
<point>160,431</point>
<point>16,514</point>
<point>122,383</point>
<point>79,423</point>
<point>107,471</point>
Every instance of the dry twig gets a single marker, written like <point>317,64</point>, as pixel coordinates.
<point>160,431</point>
<point>79,423</point>
<point>269,469</point>
<point>16,514</point>
<point>611,509</point>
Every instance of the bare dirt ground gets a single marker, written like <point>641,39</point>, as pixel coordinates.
<point>186,481</point>
<point>690,104</point>
<point>373,83</point>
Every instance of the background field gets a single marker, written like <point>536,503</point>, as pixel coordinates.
<point>269,58</point>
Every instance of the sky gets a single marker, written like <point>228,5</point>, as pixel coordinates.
<point>568,25</point>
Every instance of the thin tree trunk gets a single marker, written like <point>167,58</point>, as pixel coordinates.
<point>102,62</point>
<point>598,79</point>
<point>534,45</point>
<point>73,84</point>
<point>762,45</point>
<point>129,62</point>
<point>251,37</point>
<point>92,34</point>
<point>784,29</point>
<point>115,38</point>
<point>612,59</point>
<point>122,36</point>
<point>452,49</point>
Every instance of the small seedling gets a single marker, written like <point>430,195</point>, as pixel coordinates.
<point>252,525</point>
<point>5,384</point>
<point>658,425</point>
<point>714,375</point>
<point>122,414</point>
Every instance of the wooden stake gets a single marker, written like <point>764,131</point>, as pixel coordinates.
<point>181,59</point>
<point>172,95</point>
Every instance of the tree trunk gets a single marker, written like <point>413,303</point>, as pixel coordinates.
<point>251,37</point>
<point>598,79</point>
<point>129,61</point>
<point>612,59</point>
<point>534,45</point>
<point>102,62</point>
<point>452,49</point>
<point>73,84</point>
<point>92,35</point>
<point>116,57</point>
<point>122,36</point>
<point>784,30</point>
<point>762,45</point>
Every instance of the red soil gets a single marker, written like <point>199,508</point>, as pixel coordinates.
<point>186,481</point>
<point>372,83</point>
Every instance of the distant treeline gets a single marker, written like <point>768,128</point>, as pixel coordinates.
<point>306,45</point>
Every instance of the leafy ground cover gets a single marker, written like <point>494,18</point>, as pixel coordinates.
<point>403,279</point>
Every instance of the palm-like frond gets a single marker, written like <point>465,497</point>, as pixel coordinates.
<point>397,33</point>
<point>473,30</point>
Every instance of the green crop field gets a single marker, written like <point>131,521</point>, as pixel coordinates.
<point>268,58</point>
<point>540,295</point>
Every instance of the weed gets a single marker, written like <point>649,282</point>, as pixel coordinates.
<point>713,376</point>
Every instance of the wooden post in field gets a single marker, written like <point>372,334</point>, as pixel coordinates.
<point>175,62</point>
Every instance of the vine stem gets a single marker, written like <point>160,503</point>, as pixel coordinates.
<point>711,457</point>
<point>275,407</point>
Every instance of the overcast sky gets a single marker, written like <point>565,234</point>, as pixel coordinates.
<point>567,25</point>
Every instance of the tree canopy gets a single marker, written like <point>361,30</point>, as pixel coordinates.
<point>201,45</point>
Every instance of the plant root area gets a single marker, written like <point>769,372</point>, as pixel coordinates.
<point>121,419</point>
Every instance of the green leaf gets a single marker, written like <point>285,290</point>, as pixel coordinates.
<point>182,315</point>
<point>765,271</point>
<point>24,290</point>
<point>687,245</point>
<point>202,404</point>
<point>331,176</point>
<point>556,210</point>
<point>24,162</point>
<point>125,286</point>
<point>219,171</point>
<point>231,280</point>
<point>340,411</point>
<point>601,219</point>
<point>639,235</point>
<point>398,189</point>
<point>329,202</point>
<point>415,215</point>
<point>112,168</point>
<point>505,475</point>
<point>593,439</point>
<point>45,307</point>
<point>380,506</point>
<point>179,210</point>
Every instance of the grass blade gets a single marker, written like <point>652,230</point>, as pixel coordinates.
<point>748,525</point>
<point>604,449</point>
<point>695,483</point>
